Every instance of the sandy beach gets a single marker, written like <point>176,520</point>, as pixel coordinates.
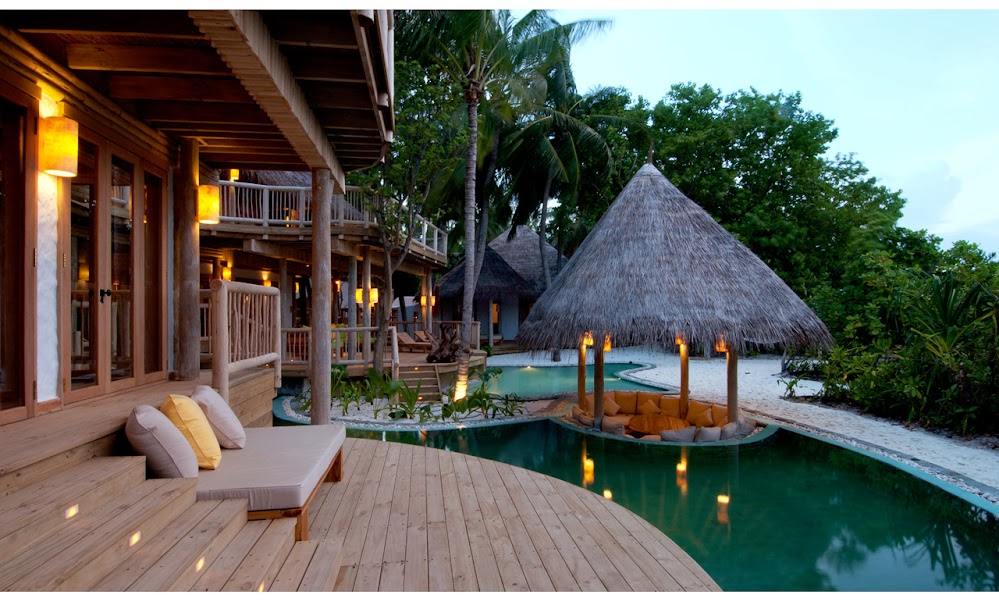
<point>969,464</point>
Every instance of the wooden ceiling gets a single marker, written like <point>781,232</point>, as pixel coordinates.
<point>161,68</point>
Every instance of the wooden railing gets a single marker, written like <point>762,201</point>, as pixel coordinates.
<point>297,342</point>
<point>290,207</point>
<point>246,330</point>
<point>205,311</point>
<point>476,329</point>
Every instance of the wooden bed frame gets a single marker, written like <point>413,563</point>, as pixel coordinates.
<point>332,474</point>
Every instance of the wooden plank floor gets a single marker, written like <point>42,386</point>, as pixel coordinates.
<point>410,518</point>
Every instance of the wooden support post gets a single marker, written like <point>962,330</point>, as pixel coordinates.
<point>732,363</point>
<point>189,249</point>
<point>366,302</point>
<point>598,385</point>
<point>684,377</point>
<point>220,337</point>
<point>352,307</point>
<point>320,353</point>
<point>492,327</point>
<point>287,289</point>
<point>581,378</point>
<point>430,300</point>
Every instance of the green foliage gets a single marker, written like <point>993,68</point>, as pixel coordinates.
<point>481,400</point>
<point>351,393</point>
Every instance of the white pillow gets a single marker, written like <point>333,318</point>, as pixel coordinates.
<point>685,435</point>
<point>225,424</point>
<point>708,434</point>
<point>168,454</point>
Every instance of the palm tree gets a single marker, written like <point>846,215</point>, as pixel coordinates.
<point>487,53</point>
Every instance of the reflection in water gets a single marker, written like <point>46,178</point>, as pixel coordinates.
<point>800,514</point>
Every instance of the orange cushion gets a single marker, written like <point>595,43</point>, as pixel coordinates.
<point>610,406</point>
<point>670,406</point>
<point>649,407</point>
<point>699,413</point>
<point>644,396</point>
<point>628,400</point>
<point>719,414</point>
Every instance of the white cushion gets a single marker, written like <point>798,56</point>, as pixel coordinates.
<point>225,424</point>
<point>708,434</point>
<point>278,468</point>
<point>168,454</point>
<point>685,435</point>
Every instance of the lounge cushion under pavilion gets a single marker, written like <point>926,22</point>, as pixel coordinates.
<point>278,468</point>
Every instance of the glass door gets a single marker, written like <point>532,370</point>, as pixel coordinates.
<point>119,291</point>
<point>84,304</point>
<point>12,316</point>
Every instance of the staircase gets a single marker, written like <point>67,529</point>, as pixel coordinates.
<point>102,526</point>
<point>425,377</point>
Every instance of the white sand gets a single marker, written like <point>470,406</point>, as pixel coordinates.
<point>970,465</point>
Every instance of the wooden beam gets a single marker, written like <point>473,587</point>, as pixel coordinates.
<point>325,28</point>
<point>160,87</point>
<point>262,165</point>
<point>145,59</point>
<point>324,64</point>
<point>326,95</point>
<point>216,130</point>
<point>202,112</point>
<point>245,43</point>
<point>217,156</point>
<point>188,239</point>
<point>170,24</point>
<point>269,249</point>
<point>209,144</point>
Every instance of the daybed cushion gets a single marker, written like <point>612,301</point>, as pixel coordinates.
<point>185,414</point>
<point>670,406</point>
<point>729,431</point>
<point>581,416</point>
<point>644,396</point>
<point>620,419</point>
<point>719,414</point>
<point>708,434</point>
<point>649,407</point>
<point>679,435</point>
<point>699,413</point>
<point>278,468</point>
<point>167,452</point>
<point>628,400</point>
<point>612,427</point>
<point>610,406</point>
<point>223,420</point>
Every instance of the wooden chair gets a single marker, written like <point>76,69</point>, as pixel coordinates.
<point>407,342</point>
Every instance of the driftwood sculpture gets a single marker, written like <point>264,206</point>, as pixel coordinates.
<point>444,350</point>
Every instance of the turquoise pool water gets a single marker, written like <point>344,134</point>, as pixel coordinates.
<point>530,382</point>
<point>803,515</point>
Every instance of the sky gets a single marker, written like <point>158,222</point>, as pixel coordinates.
<point>913,93</point>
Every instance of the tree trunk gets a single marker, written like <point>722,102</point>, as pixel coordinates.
<point>464,355</point>
<point>482,200</point>
<point>541,232</point>
<point>384,312</point>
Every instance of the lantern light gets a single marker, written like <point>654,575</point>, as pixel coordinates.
<point>679,340</point>
<point>60,147</point>
<point>359,296</point>
<point>588,339</point>
<point>608,495</point>
<point>234,175</point>
<point>226,273</point>
<point>607,344</point>
<point>423,300</point>
<point>208,204</point>
<point>720,346</point>
<point>588,469</point>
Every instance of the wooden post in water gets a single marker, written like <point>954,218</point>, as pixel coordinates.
<point>732,363</point>
<point>321,353</point>
<point>598,384</point>
<point>189,250</point>
<point>581,377</point>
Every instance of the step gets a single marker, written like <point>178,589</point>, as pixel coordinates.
<point>79,556</point>
<point>261,565</point>
<point>32,513</point>
<point>217,573</point>
<point>312,566</point>
<point>177,556</point>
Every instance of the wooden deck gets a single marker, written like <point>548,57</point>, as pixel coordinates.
<point>409,518</point>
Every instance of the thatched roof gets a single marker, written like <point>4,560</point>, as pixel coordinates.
<point>521,252</point>
<point>496,279</point>
<point>276,178</point>
<point>657,265</point>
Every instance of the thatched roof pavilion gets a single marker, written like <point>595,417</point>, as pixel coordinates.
<point>495,278</point>
<point>521,251</point>
<point>657,268</point>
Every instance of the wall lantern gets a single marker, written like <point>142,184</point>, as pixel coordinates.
<point>423,301</point>
<point>588,339</point>
<point>60,146</point>
<point>359,296</point>
<point>233,175</point>
<point>208,204</point>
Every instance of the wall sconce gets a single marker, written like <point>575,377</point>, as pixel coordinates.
<point>423,301</point>
<point>208,204</point>
<point>226,273</point>
<point>338,283</point>
<point>359,296</point>
<point>588,339</point>
<point>233,175</point>
<point>60,146</point>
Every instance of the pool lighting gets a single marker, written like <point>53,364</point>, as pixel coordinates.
<point>72,511</point>
<point>461,426</point>
<point>134,539</point>
<point>681,468</point>
<point>723,509</point>
<point>723,500</point>
<point>608,495</point>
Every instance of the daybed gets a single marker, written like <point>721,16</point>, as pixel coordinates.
<point>694,422</point>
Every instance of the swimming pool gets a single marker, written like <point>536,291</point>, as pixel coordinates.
<point>531,382</point>
<point>803,514</point>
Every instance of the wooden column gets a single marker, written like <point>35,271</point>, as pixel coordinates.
<point>581,376</point>
<point>732,363</point>
<point>684,376</point>
<point>598,385</point>
<point>287,288</point>
<point>489,320</point>
<point>189,250</point>
<point>351,306</point>
<point>320,351</point>
<point>366,301</point>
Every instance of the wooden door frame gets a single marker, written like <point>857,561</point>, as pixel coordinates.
<point>161,221</point>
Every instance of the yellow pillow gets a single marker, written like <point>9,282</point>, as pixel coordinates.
<point>649,407</point>
<point>185,414</point>
<point>699,413</point>
<point>670,406</point>
<point>610,406</point>
<point>644,396</point>
<point>719,414</point>
<point>628,400</point>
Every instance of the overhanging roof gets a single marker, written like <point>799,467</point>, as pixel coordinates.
<point>283,90</point>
